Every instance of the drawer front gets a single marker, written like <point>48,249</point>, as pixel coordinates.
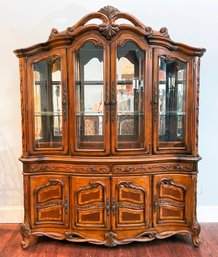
<point>154,167</point>
<point>69,168</point>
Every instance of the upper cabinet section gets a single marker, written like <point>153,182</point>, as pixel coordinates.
<point>116,87</point>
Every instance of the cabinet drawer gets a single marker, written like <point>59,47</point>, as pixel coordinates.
<point>69,168</point>
<point>154,167</point>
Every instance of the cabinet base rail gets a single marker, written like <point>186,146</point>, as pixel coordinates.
<point>110,237</point>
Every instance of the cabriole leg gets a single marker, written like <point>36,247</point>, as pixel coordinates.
<point>196,229</point>
<point>25,233</point>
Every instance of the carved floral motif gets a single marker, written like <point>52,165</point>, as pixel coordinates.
<point>68,168</point>
<point>109,11</point>
<point>110,239</point>
<point>108,30</point>
<point>155,167</point>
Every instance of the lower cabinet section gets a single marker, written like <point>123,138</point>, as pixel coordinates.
<point>109,209</point>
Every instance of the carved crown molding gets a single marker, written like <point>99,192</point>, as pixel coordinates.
<point>109,28</point>
<point>109,11</point>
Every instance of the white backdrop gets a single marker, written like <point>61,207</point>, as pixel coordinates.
<point>27,22</point>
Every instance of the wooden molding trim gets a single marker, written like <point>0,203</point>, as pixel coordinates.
<point>109,28</point>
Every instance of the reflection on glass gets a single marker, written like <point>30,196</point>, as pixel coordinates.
<point>172,87</point>
<point>47,103</point>
<point>89,97</point>
<point>130,96</point>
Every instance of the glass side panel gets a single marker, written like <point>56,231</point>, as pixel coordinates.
<point>89,97</point>
<point>48,103</point>
<point>172,93</point>
<point>130,96</point>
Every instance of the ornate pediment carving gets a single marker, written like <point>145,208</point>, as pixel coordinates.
<point>109,11</point>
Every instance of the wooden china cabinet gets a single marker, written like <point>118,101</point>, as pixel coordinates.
<point>110,133</point>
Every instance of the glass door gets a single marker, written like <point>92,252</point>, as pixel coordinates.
<point>49,102</point>
<point>171,102</point>
<point>128,96</point>
<point>90,94</point>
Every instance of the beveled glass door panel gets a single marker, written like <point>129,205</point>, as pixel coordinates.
<point>172,94</point>
<point>129,92</point>
<point>48,113</point>
<point>89,97</point>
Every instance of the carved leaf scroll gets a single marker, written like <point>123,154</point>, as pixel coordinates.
<point>109,11</point>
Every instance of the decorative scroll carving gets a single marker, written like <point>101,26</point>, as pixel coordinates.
<point>50,204</point>
<point>131,206</point>
<point>171,203</point>
<point>113,103</point>
<point>88,206</point>
<point>53,33</point>
<point>197,100</point>
<point>22,103</point>
<point>107,102</point>
<point>108,30</point>
<point>128,184</point>
<point>109,11</point>
<point>147,235</point>
<point>168,181</point>
<point>164,32</point>
<point>25,233</point>
<point>73,236</point>
<point>155,101</point>
<point>68,168</point>
<point>155,167</point>
<point>64,100</point>
<point>110,239</point>
<point>196,229</point>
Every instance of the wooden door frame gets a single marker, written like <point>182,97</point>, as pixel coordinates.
<point>186,149</point>
<point>120,40</point>
<point>30,103</point>
<point>99,41</point>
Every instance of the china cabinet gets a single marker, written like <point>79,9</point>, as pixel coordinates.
<point>110,133</point>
